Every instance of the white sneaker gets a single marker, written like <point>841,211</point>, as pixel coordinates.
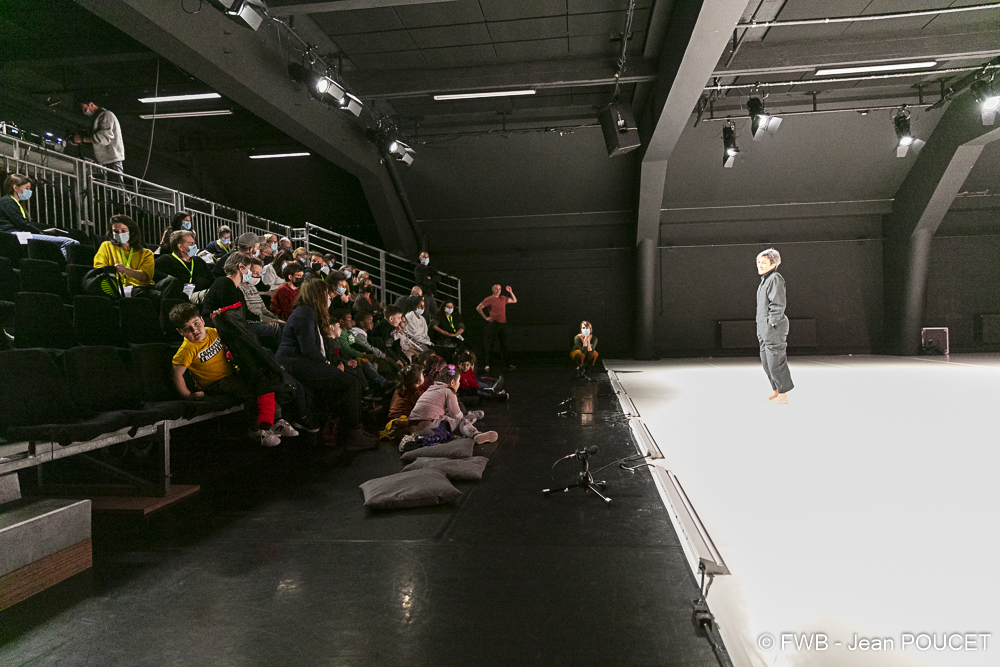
<point>488,436</point>
<point>269,439</point>
<point>283,429</point>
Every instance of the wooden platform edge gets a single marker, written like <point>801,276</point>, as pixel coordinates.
<point>141,505</point>
<point>48,571</point>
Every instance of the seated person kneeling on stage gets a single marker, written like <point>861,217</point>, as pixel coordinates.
<point>584,352</point>
<point>440,404</point>
<point>204,355</point>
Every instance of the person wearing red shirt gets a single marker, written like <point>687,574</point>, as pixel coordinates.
<point>496,324</point>
<point>284,296</point>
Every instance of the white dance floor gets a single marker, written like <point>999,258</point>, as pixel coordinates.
<point>866,508</point>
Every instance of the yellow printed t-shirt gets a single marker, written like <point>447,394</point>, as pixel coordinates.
<point>110,254</point>
<point>206,360</point>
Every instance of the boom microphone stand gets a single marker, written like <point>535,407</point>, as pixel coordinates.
<point>584,479</point>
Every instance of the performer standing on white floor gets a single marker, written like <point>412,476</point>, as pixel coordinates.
<point>772,326</point>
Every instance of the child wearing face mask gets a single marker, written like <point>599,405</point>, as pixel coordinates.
<point>416,326</point>
<point>251,296</point>
<point>283,299</point>
<point>584,353</point>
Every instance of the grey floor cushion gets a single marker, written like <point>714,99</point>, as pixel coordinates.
<point>467,470</point>
<point>415,488</point>
<point>460,448</point>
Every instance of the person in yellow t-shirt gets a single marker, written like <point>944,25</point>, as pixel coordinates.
<point>204,355</point>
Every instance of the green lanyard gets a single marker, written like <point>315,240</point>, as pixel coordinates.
<point>24,214</point>
<point>189,268</point>
<point>127,263</point>
<point>450,323</point>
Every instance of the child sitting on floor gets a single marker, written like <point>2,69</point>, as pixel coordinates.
<point>440,403</point>
<point>204,354</point>
<point>403,400</point>
<point>481,387</point>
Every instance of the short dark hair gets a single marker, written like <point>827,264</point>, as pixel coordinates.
<point>183,313</point>
<point>224,229</point>
<point>291,270</point>
<point>175,222</point>
<point>392,310</point>
<point>341,315</point>
<point>335,277</point>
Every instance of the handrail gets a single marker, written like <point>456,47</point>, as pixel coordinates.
<point>82,194</point>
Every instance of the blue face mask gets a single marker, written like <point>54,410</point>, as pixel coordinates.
<point>419,311</point>
<point>24,195</point>
<point>425,260</point>
<point>342,290</point>
<point>283,265</point>
<point>246,277</point>
<point>302,260</point>
<point>585,332</point>
<point>186,224</point>
<point>347,273</point>
<point>274,247</point>
<point>192,250</point>
<point>449,310</point>
<point>224,241</point>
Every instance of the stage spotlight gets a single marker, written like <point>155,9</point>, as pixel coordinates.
<point>987,92</point>
<point>243,13</point>
<point>904,139</point>
<point>351,103</point>
<point>326,86</point>
<point>400,151</point>
<point>730,150</point>
<point>760,120</point>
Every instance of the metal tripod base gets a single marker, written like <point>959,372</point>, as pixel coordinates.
<point>584,481</point>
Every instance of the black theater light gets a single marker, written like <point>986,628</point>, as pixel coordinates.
<point>987,92</point>
<point>761,122</point>
<point>729,148</point>
<point>904,139</point>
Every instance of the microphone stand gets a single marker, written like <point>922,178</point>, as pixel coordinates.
<point>584,479</point>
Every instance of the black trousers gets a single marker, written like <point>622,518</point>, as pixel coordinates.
<point>498,330</point>
<point>329,387</point>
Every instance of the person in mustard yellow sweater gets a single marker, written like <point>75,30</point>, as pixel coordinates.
<point>134,262</point>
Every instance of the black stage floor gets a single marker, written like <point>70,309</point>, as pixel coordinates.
<point>277,562</point>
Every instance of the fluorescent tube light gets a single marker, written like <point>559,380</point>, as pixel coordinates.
<point>187,114</point>
<point>270,155</point>
<point>180,98</point>
<point>927,64</point>
<point>492,93</point>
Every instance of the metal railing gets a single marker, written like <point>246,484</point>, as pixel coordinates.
<point>70,193</point>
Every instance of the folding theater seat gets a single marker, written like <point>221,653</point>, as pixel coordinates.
<point>140,323</point>
<point>99,382</point>
<point>81,254</point>
<point>95,321</point>
<point>41,320</point>
<point>35,402</point>
<point>74,278</point>
<point>11,248</point>
<point>46,250</point>
<point>39,275</point>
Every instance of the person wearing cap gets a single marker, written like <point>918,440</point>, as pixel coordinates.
<point>248,244</point>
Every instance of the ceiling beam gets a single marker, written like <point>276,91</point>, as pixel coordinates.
<point>76,61</point>
<point>249,68</point>
<point>799,57</point>
<point>538,75</point>
<point>697,34</point>
<point>344,5</point>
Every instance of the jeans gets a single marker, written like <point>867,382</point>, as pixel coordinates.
<point>63,241</point>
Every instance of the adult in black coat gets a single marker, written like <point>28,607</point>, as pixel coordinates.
<point>426,278</point>
<point>181,262</point>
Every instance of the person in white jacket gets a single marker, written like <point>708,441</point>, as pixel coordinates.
<point>416,326</point>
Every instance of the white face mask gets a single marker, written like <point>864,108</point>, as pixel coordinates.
<point>122,238</point>
<point>324,269</point>
<point>252,280</point>
<point>586,332</point>
<point>347,273</point>
<point>329,301</point>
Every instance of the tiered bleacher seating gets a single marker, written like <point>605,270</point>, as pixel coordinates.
<point>41,320</point>
<point>39,275</point>
<point>47,251</point>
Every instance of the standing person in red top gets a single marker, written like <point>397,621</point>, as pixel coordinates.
<point>496,324</point>
<point>284,297</point>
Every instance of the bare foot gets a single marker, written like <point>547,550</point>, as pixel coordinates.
<point>781,399</point>
<point>770,399</point>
